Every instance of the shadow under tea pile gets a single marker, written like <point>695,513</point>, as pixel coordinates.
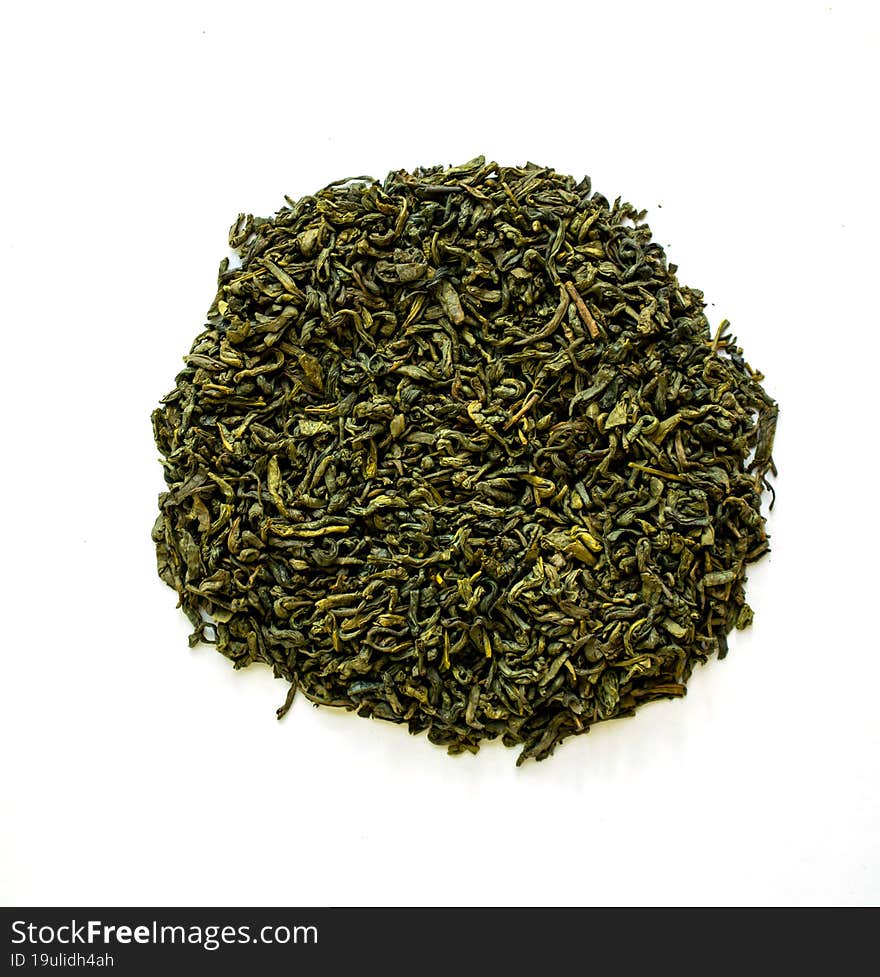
<point>457,450</point>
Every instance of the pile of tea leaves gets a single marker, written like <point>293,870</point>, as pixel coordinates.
<point>457,450</point>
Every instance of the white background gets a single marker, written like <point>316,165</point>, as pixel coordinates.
<point>136,771</point>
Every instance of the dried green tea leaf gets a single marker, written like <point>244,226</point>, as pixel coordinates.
<point>457,450</point>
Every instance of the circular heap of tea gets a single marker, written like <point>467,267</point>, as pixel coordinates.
<point>457,450</point>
